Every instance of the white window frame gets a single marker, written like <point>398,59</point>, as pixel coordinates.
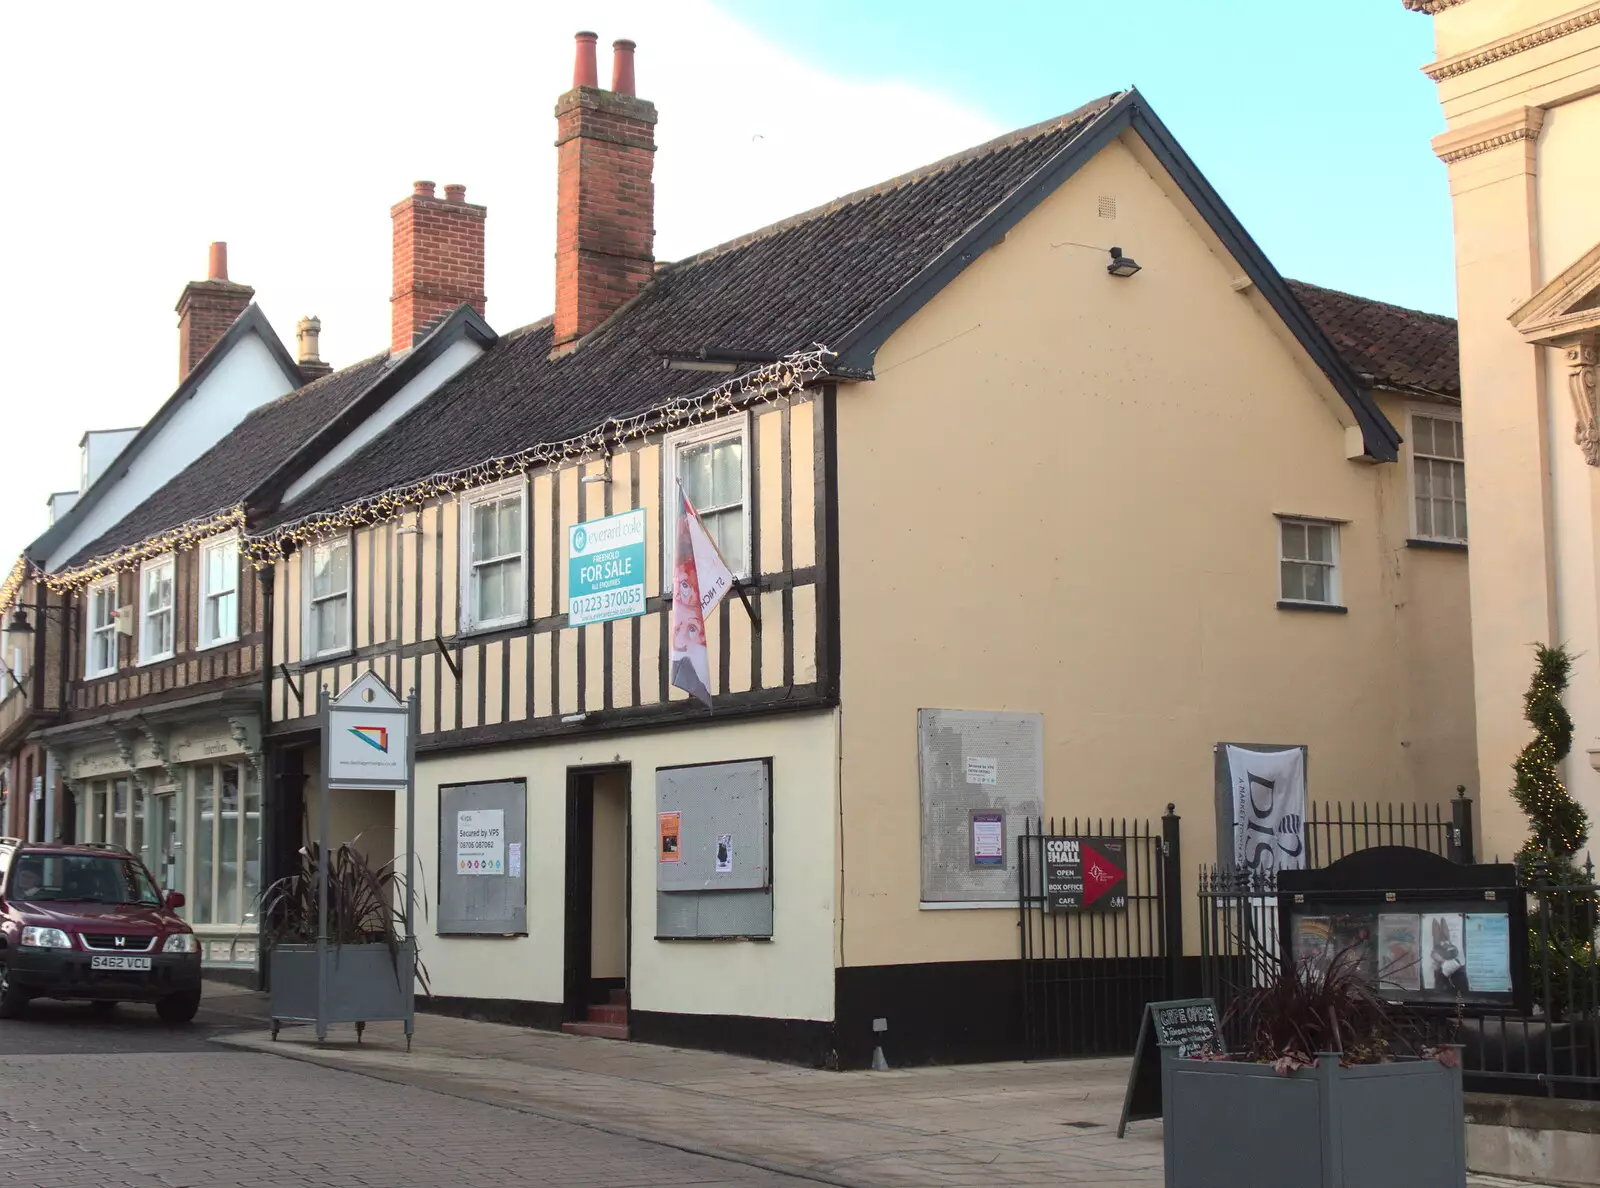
<point>231,632</point>
<point>469,622</point>
<point>1432,412</point>
<point>15,669</point>
<point>307,619</point>
<point>1336,575</point>
<point>146,656</point>
<point>737,425</point>
<point>90,630</point>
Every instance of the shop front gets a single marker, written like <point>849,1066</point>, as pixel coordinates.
<point>185,797</point>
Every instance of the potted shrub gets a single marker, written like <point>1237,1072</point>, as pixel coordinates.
<point>371,964</point>
<point>1328,1088</point>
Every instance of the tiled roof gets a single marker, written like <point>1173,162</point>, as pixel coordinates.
<point>222,476</point>
<point>809,279</point>
<point>1387,345</point>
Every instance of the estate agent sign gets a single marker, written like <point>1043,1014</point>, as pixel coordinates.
<point>605,569</point>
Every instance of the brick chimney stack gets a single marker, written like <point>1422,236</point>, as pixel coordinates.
<point>605,203</point>
<point>438,260</point>
<point>206,310</point>
<point>308,333</point>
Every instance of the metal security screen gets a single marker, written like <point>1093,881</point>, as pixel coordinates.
<point>974,765</point>
<point>714,879</point>
<point>483,883</point>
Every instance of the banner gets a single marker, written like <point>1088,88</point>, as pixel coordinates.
<point>700,580</point>
<point>1269,809</point>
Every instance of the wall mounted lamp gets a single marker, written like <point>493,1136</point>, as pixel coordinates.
<point>1121,265</point>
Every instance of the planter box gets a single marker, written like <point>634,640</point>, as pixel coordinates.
<point>366,984</point>
<point>1241,1125</point>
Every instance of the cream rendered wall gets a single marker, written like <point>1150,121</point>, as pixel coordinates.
<point>363,816</point>
<point>608,940</point>
<point>790,976</point>
<point>1059,496</point>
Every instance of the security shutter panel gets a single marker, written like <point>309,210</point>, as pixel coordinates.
<point>975,761</point>
<point>716,801</point>
<point>495,905</point>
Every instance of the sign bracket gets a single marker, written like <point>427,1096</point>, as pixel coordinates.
<point>449,660</point>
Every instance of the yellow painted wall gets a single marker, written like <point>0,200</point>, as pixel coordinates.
<point>1098,544</point>
<point>790,976</point>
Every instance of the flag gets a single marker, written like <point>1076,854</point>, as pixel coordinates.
<point>700,580</point>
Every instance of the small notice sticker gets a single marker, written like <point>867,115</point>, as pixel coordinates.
<point>983,771</point>
<point>514,859</point>
<point>669,824</point>
<point>724,853</point>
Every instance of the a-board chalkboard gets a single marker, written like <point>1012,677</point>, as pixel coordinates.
<point>1190,1025</point>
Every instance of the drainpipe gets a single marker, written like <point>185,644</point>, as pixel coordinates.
<point>270,843</point>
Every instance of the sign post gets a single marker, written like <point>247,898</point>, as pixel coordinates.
<point>369,740</point>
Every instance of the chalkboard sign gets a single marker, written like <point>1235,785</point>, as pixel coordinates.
<point>1190,1025</point>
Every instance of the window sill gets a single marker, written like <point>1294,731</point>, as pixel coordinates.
<point>317,659</point>
<point>468,631</point>
<point>1448,546</point>
<point>961,905</point>
<point>217,643</point>
<point>1325,608</point>
<point>96,676</point>
<point>161,659</point>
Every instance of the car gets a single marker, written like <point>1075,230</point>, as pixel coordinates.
<point>87,922</point>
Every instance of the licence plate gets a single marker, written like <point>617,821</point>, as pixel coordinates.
<point>114,962</point>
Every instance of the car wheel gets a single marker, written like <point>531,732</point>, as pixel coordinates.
<point>12,1001</point>
<point>103,1007</point>
<point>179,1008</point>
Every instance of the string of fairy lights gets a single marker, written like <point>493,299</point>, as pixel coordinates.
<point>766,384</point>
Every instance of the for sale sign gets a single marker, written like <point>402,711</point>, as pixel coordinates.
<point>1086,873</point>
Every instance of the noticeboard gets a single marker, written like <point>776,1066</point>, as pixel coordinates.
<point>1188,1026</point>
<point>605,569</point>
<point>1086,874</point>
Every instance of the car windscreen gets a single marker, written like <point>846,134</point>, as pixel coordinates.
<point>80,878</point>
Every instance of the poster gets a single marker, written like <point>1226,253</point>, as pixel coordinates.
<point>605,569</point>
<point>1488,951</point>
<point>1268,791</point>
<point>1313,938</point>
<point>1086,873</point>
<point>1354,943</point>
<point>1399,951</point>
<point>667,827</point>
<point>983,771</point>
<point>988,838</point>
<point>1444,953</point>
<point>724,853</point>
<point>480,842</point>
<point>514,860</point>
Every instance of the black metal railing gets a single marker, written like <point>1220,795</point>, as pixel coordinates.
<point>1552,1048</point>
<point>1335,828</point>
<point>1086,974</point>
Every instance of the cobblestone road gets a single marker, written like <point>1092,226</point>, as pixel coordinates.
<point>130,1102</point>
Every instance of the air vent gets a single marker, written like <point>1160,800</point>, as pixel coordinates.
<point>1108,206</point>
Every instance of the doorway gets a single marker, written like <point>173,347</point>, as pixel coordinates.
<point>597,893</point>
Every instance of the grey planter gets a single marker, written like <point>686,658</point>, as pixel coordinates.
<point>365,984</point>
<point>1242,1125</point>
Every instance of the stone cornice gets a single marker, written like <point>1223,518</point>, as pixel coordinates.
<point>1497,51</point>
<point>1521,123</point>
<point>1431,6</point>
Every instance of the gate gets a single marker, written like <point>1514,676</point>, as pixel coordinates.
<point>1088,970</point>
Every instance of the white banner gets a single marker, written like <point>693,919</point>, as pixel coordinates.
<point>700,580</point>
<point>1269,809</point>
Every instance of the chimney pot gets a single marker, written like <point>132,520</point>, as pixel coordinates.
<point>585,69</point>
<point>622,66</point>
<point>425,188</point>
<point>308,331</point>
<point>217,265</point>
<point>455,193</point>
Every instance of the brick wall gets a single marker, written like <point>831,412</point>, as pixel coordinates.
<point>205,311</point>
<point>438,260</point>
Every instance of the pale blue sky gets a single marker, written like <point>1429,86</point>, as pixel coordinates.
<point>1312,120</point>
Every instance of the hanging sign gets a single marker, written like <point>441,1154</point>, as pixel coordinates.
<point>1086,873</point>
<point>481,842</point>
<point>366,737</point>
<point>605,569</point>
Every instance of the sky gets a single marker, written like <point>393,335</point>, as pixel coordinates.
<point>138,133</point>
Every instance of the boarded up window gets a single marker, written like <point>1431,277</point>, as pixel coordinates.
<point>974,765</point>
<point>483,866</point>
<point>713,850</point>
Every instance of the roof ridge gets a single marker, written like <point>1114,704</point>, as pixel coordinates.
<point>910,177</point>
<point>1426,313</point>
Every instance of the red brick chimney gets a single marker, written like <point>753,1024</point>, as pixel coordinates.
<point>206,310</point>
<point>438,260</point>
<point>605,204</point>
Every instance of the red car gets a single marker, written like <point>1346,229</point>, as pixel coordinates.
<point>87,922</point>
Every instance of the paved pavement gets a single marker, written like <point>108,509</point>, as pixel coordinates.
<point>128,1101</point>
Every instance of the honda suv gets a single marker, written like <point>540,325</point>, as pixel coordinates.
<point>87,922</point>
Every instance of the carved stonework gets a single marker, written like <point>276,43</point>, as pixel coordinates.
<point>1583,362</point>
<point>1517,43</point>
<point>246,732</point>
